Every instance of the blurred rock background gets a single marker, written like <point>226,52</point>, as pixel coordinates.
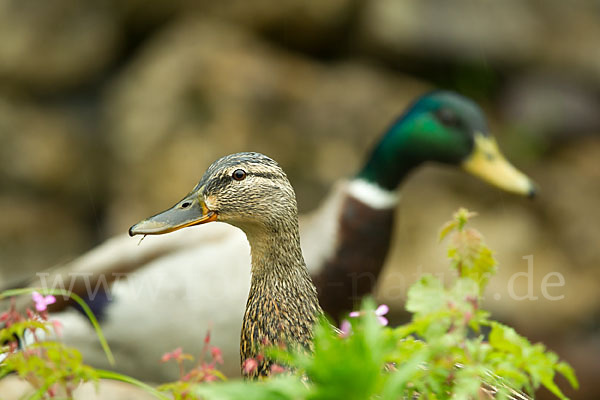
<point>109,109</point>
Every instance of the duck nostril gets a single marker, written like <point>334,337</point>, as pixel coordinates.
<point>186,204</point>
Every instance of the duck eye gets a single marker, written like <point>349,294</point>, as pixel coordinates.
<point>239,174</point>
<point>447,117</point>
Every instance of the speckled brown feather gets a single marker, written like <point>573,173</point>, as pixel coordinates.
<point>279,311</point>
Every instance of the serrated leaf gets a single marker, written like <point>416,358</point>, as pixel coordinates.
<point>552,387</point>
<point>568,372</point>
<point>505,338</point>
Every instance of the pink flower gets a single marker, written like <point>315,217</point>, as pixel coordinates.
<point>210,378</point>
<point>41,302</point>
<point>379,312</point>
<point>175,354</point>
<point>345,328</point>
<point>250,365</point>
<point>216,354</point>
<point>277,369</point>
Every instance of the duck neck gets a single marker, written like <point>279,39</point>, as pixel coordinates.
<point>282,304</point>
<point>391,161</point>
<point>275,252</point>
<point>279,271</point>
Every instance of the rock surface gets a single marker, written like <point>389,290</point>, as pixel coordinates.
<point>51,46</point>
<point>46,163</point>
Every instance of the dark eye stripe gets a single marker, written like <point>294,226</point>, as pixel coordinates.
<point>224,180</point>
<point>267,175</point>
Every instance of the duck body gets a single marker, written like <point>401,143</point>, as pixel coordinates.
<point>201,273</point>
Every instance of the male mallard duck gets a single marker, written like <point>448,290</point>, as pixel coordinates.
<point>202,272</point>
<point>251,192</point>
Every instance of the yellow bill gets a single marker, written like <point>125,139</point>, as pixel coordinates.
<point>487,162</point>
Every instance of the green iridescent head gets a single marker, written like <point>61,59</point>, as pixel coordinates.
<point>442,127</point>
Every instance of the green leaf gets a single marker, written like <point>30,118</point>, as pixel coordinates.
<point>552,387</point>
<point>280,388</point>
<point>567,371</point>
<point>400,380</point>
<point>427,295</point>
<point>447,228</point>
<point>466,384</point>
<point>506,339</point>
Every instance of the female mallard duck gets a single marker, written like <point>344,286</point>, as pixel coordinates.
<point>202,272</point>
<point>251,192</point>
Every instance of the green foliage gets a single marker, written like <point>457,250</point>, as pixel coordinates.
<point>341,367</point>
<point>529,365</point>
<point>47,365</point>
<point>441,354</point>
<point>52,368</point>
<point>279,388</point>
<point>348,368</point>
<point>468,253</point>
<point>86,309</point>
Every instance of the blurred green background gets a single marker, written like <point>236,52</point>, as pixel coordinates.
<point>111,110</point>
